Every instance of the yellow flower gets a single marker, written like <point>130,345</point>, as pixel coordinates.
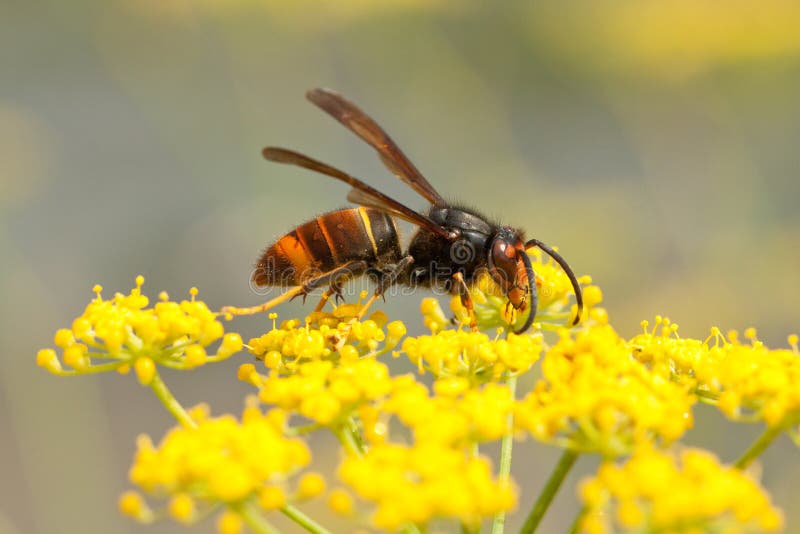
<point>682,492</point>
<point>324,337</point>
<point>310,485</point>
<point>323,392</point>
<point>221,460</point>
<point>473,354</point>
<point>747,382</point>
<point>340,501</point>
<point>666,353</point>
<point>181,508</point>
<point>229,522</point>
<point>425,482</point>
<point>132,504</point>
<point>271,498</point>
<point>594,396</point>
<point>455,416</point>
<point>491,306</point>
<point>123,331</point>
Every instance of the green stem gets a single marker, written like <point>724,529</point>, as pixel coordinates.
<point>574,528</point>
<point>499,520</point>
<point>411,528</point>
<point>348,441</point>
<point>170,402</point>
<point>253,518</point>
<point>352,427</point>
<point>759,446</point>
<point>92,369</point>
<point>552,486</point>
<point>303,520</point>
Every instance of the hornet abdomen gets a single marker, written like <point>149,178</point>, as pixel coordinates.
<point>328,242</point>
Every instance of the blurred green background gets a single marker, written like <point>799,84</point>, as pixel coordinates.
<point>655,142</point>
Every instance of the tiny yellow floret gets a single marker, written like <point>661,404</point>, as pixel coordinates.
<point>131,504</point>
<point>48,359</point>
<point>341,502</point>
<point>145,370</point>
<point>310,486</point>
<point>271,498</point>
<point>229,522</point>
<point>195,356</point>
<point>181,508</point>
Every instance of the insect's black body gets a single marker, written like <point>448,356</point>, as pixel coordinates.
<point>450,249</point>
<point>437,259</point>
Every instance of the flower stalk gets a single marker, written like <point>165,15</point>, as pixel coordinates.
<point>253,519</point>
<point>303,520</point>
<point>549,491</point>
<point>170,402</point>
<point>506,446</point>
<point>759,446</point>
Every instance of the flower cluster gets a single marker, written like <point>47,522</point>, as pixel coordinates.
<point>656,491</point>
<point>415,484</point>
<point>456,415</point>
<point>475,355</point>
<point>125,333</point>
<point>324,336</point>
<point>594,396</point>
<point>493,311</point>
<point>322,392</point>
<point>747,381</point>
<point>414,454</point>
<point>219,460</point>
<point>326,369</point>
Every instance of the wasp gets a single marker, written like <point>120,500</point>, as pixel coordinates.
<point>450,249</point>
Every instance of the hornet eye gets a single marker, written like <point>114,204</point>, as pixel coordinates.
<point>503,264</point>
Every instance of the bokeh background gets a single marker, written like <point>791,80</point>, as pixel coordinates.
<point>655,142</point>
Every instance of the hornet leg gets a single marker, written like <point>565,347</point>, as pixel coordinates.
<point>466,300</point>
<point>386,281</point>
<point>331,277</point>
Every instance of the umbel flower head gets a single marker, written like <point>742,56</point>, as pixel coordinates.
<point>596,397</point>
<point>492,309</point>
<point>325,337</point>
<point>123,332</point>
<point>747,381</point>
<point>325,369</point>
<point>219,460</point>
<point>675,492</point>
<point>455,415</point>
<point>416,484</point>
<point>410,452</point>
<point>322,392</point>
<point>474,355</point>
